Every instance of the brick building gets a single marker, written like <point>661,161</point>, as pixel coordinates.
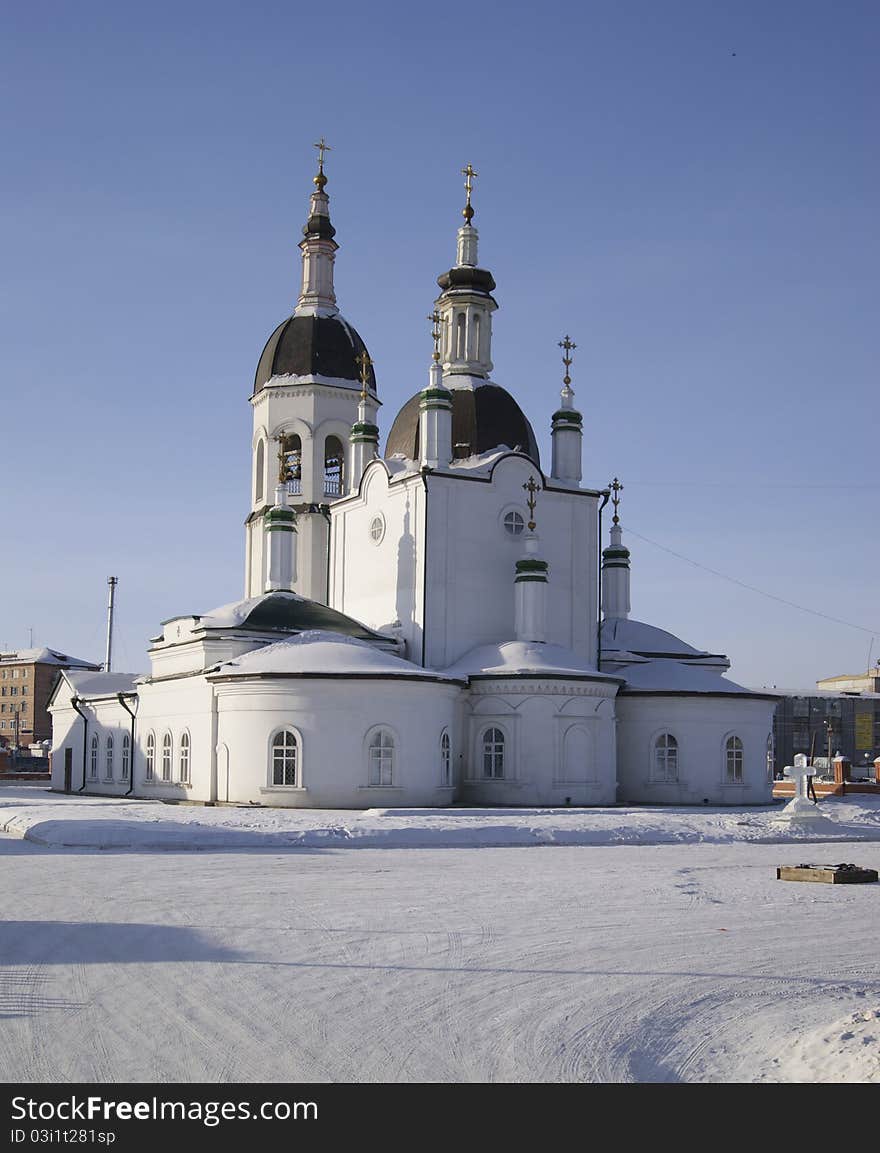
<point>27,678</point>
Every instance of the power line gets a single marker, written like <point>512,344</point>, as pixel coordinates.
<point>752,588</point>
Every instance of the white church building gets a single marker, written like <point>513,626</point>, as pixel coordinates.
<point>420,627</point>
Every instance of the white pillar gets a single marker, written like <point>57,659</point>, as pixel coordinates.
<point>531,594</point>
<point>280,528</point>
<point>363,445</point>
<point>615,577</point>
<point>567,437</point>
<point>435,422</point>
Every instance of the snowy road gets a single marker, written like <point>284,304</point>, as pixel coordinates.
<point>645,963</point>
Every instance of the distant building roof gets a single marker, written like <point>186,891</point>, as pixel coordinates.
<point>43,656</point>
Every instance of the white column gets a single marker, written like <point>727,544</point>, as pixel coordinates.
<point>363,445</point>
<point>531,594</point>
<point>435,422</point>
<point>567,437</point>
<point>615,577</point>
<point>280,528</point>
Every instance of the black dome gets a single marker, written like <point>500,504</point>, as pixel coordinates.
<point>312,345</point>
<point>482,419</point>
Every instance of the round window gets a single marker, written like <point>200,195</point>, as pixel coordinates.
<point>377,529</point>
<point>514,523</point>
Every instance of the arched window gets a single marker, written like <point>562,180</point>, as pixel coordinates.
<point>166,757</point>
<point>93,758</point>
<point>381,756</point>
<point>284,758</point>
<point>733,751</point>
<point>445,759</point>
<point>126,756</point>
<point>183,758</point>
<point>260,472</point>
<point>771,757</point>
<point>664,765</point>
<point>459,337</point>
<point>290,460</point>
<point>475,336</point>
<point>108,758</point>
<point>334,456</point>
<point>151,756</point>
<point>493,753</point>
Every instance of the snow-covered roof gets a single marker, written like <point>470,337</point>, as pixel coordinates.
<point>624,635</point>
<point>43,656</point>
<point>671,676</point>
<point>319,653</point>
<point>87,684</point>
<point>525,658</point>
<point>280,611</point>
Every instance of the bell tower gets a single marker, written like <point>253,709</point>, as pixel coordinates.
<point>308,392</point>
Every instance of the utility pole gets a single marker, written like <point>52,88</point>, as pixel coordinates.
<point>112,582</point>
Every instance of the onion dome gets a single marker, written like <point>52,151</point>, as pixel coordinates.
<point>483,418</point>
<point>316,343</point>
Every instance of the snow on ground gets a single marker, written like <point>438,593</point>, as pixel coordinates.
<point>101,822</point>
<point>610,961</point>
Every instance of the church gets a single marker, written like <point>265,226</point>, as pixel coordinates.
<point>436,624</point>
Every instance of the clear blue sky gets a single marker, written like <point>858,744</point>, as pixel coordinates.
<point>689,188</point>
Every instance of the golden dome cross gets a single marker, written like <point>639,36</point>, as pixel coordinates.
<point>436,331</point>
<point>531,488</point>
<point>366,364</point>
<point>322,147</point>
<point>569,346</point>
<point>617,489</point>
<point>469,174</point>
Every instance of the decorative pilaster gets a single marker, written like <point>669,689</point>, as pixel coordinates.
<point>280,529</point>
<point>567,427</point>
<point>364,437</point>
<point>615,567</point>
<point>530,583</point>
<point>435,410</point>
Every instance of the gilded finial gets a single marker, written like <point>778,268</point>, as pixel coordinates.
<point>366,364</point>
<point>468,173</point>
<point>568,347</point>
<point>320,180</point>
<point>436,332</point>
<point>531,488</point>
<point>617,489</point>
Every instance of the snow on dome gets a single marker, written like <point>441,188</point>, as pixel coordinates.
<point>283,611</point>
<point>671,676</point>
<point>522,658</point>
<point>321,653</point>
<point>625,635</point>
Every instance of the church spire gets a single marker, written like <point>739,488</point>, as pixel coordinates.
<point>465,304</point>
<point>615,566</point>
<point>317,297</point>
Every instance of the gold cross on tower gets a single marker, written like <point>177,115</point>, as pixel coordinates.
<point>531,488</point>
<point>366,364</point>
<point>568,346</point>
<point>436,332</point>
<point>617,489</point>
<point>468,173</point>
<point>320,180</point>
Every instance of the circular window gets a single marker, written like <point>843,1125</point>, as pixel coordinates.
<point>377,529</point>
<point>514,523</point>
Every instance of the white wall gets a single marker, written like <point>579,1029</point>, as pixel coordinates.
<point>470,559</point>
<point>701,725</point>
<point>333,721</point>
<point>559,742</point>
